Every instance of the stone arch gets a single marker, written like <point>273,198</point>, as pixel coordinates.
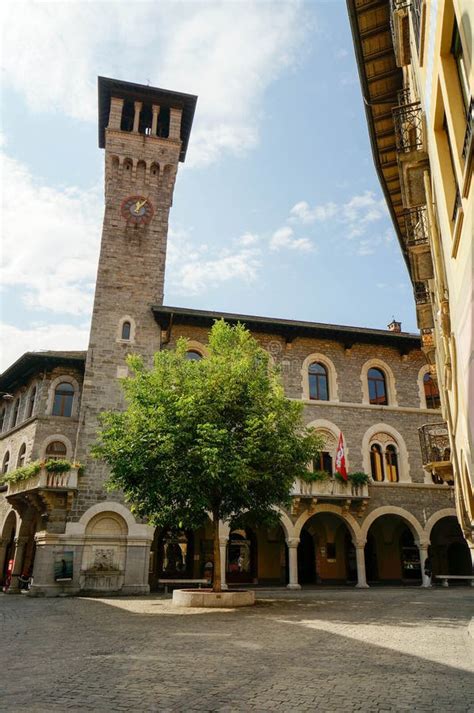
<point>324,426</point>
<point>286,523</point>
<point>331,372</point>
<point>16,516</point>
<point>436,517</point>
<point>56,437</point>
<point>389,381</point>
<point>127,169</point>
<point>419,380</point>
<point>68,379</point>
<point>8,534</point>
<point>410,520</point>
<point>108,507</point>
<point>154,174</point>
<point>122,320</point>
<point>385,428</point>
<point>192,345</point>
<point>31,398</point>
<point>115,165</point>
<point>141,171</point>
<point>107,524</point>
<point>350,521</point>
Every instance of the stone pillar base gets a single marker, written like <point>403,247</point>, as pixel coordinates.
<point>293,586</point>
<point>362,586</point>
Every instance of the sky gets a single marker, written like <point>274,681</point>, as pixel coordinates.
<point>277,210</point>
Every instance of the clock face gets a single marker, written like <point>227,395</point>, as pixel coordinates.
<point>137,210</point>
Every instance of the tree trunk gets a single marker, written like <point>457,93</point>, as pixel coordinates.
<point>217,555</point>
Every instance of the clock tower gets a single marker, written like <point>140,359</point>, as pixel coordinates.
<point>145,133</point>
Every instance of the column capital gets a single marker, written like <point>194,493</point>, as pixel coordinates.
<point>138,105</point>
<point>360,544</point>
<point>292,541</point>
<point>423,545</point>
<point>223,541</point>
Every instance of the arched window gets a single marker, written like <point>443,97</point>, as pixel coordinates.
<point>376,462</point>
<point>193,355</point>
<point>377,387</point>
<point>431,391</point>
<point>31,402</point>
<point>126,331</point>
<point>63,398</point>
<point>15,412</point>
<point>2,419</point>
<point>6,462</point>
<point>21,456</point>
<point>318,382</point>
<point>391,464</point>
<point>323,462</point>
<point>56,450</point>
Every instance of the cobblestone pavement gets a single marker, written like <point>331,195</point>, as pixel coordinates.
<point>316,650</point>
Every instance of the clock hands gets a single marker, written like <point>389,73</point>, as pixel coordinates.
<point>139,205</point>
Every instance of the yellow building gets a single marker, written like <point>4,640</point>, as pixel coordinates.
<point>416,69</point>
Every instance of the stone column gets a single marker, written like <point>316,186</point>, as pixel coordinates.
<point>293,543</point>
<point>223,551</point>
<point>154,121</point>
<point>115,114</point>
<point>20,544</point>
<point>360,560</point>
<point>136,118</point>
<point>423,550</point>
<point>175,124</point>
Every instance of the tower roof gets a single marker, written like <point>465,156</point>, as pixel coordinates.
<point>149,95</point>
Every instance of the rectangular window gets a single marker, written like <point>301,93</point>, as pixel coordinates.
<point>457,52</point>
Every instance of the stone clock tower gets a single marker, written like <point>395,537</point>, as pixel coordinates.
<point>145,133</point>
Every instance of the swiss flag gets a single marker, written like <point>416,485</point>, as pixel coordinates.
<point>341,458</point>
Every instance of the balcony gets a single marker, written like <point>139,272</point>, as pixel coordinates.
<point>436,452</point>
<point>417,242</point>
<point>330,489</point>
<point>400,27</point>
<point>424,311</point>
<point>428,344</point>
<point>412,158</point>
<point>46,493</point>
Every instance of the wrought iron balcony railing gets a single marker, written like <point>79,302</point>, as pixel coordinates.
<point>422,293</point>
<point>404,96</point>
<point>416,224</point>
<point>434,443</point>
<point>408,121</point>
<point>436,452</point>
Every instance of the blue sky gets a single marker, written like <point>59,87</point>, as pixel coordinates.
<point>277,211</point>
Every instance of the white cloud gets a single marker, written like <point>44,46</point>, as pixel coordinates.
<point>302,212</point>
<point>190,270</point>
<point>50,239</point>
<point>248,239</point>
<point>225,55</point>
<point>52,336</point>
<point>356,216</point>
<point>284,238</point>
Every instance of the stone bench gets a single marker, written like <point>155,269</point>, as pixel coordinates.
<point>168,582</point>
<point>444,578</point>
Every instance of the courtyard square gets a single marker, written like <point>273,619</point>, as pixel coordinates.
<point>326,649</point>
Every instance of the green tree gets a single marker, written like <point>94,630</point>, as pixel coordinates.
<point>215,437</point>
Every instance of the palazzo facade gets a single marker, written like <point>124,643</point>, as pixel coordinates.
<point>73,536</point>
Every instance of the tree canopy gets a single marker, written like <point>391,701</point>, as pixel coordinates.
<point>214,437</point>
